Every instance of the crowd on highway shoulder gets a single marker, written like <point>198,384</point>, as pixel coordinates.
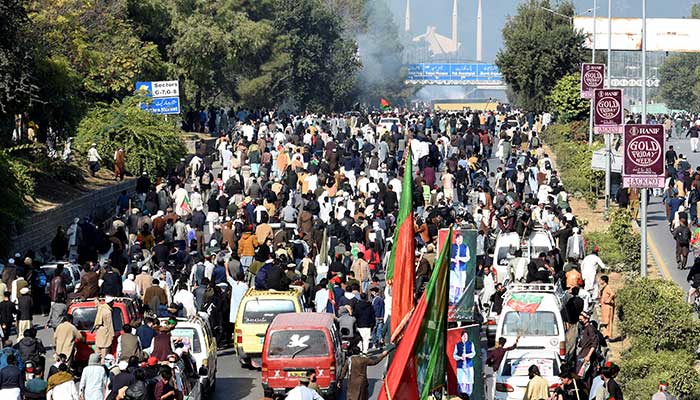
<point>253,211</point>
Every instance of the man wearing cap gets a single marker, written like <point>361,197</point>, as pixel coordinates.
<point>24,312</point>
<point>662,394</point>
<point>588,342</point>
<point>93,159</point>
<point>104,327</point>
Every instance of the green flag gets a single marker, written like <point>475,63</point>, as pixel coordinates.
<point>405,209</point>
<point>430,350</point>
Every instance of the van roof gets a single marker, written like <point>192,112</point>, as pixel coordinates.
<point>295,321</point>
<point>293,291</point>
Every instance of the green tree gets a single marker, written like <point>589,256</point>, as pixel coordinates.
<point>539,49</point>
<point>151,143</point>
<point>17,80</point>
<point>321,66</point>
<point>680,81</point>
<point>565,99</point>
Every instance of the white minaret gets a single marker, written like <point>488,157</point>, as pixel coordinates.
<point>478,32</point>
<point>454,21</point>
<point>408,15</point>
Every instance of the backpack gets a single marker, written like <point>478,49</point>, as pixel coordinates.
<point>535,142</point>
<point>40,280</point>
<point>683,236</point>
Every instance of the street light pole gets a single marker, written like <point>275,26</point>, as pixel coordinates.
<point>644,121</point>
<point>590,120</point>
<point>608,137</point>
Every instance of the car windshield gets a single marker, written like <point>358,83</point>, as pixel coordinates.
<point>504,255</point>
<point>84,318</point>
<point>539,323</point>
<point>67,278</point>
<point>519,366</point>
<point>188,337</point>
<point>263,311</point>
<point>298,344</point>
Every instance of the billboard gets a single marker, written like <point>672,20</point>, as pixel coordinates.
<point>462,273</point>
<point>663,34</point>
<point>592,78</point>
<point>475,73</point>
<point>643,165</point>
<point>608,111</point>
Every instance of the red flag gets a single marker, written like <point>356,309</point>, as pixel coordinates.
<point>401,267</point>
<point>401,381</point>
<point>384,104</point>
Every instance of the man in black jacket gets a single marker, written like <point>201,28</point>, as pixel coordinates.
<point>11,377</point>
<point>8,311</point>
<point>111,283</point>
<point>364,319</point>
<point>30,348</point>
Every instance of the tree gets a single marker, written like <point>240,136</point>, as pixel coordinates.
<point>539,49</point>
<point>565,99</point>
<point>151,143</point>
<point>17,80</point>
<point>321,66</point>
<point>680,81</point>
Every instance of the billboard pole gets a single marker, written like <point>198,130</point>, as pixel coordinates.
<point>644,121</point>
<point>608,137</point>
<point>590,120</point>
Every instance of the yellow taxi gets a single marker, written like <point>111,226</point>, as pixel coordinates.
<point>255,313</point>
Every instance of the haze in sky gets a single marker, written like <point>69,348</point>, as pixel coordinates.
<point>495,12</point>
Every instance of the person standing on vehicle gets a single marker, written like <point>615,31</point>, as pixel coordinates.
<point>356,366</point>
<point>682,236</point>
<point>104,326</point>
<point>538,387</point>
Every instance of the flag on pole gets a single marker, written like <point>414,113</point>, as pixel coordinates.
<point>384,104</point>
<point>185,205</point>
<point>401,266</point>
<point>418,367</point>
<point>524,302</point>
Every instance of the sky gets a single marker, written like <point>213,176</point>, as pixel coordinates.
<point>495,12</point>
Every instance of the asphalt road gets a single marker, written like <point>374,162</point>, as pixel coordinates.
<point>661,243</point>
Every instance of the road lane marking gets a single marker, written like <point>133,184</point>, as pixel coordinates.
<point>657,256</point>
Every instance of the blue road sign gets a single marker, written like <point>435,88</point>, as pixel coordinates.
<point>145,88</point>
<point>458,73</point>
<point>163,105</point>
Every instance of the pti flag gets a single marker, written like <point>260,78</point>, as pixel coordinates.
<point>384,104</point>
<point>401,266</point>
<point>418,368</point>
<point>524,302</point>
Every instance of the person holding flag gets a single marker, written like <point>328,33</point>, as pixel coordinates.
<point>356,367</point>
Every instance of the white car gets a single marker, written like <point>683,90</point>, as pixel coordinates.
<point>533,312</point>
<point>512,376</point>
<point>71,274</point>
<point>387,123</point>
<point>197,335</point>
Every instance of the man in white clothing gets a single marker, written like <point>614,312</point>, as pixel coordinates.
<point>93,159</point>
<point>589,269</point>
<point>302,392</point>
<point>186,298</point>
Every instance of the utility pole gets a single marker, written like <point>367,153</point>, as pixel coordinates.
<point>479,29</point>
<point>608,136</point>
<point>590,120</point>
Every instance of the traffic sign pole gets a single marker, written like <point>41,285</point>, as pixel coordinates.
<point>643,216</point>
<point>590,121</point>
<point>608,138</point>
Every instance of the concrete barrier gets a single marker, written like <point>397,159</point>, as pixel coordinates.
<point>39,229</point>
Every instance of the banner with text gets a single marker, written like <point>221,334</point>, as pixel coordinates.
<point>643,165</point>
<point>462,273</point>
<point>592,78</point>
<point>608,112</point>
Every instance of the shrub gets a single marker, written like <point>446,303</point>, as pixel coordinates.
<point>151,143</point>
<point>629,239</point>
<point>610,250</point>
<point>565,99</point>
<point>16,184</point>
<point>642,368</point>
<point>654,312</point>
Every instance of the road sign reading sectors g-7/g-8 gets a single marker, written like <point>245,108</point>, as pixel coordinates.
<point>165,95</point>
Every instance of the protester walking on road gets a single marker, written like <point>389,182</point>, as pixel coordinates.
<point>537,387</point>
<point>682,236</point>
<point>356,367</point>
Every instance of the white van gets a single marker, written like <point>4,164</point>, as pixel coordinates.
<point>534,313</point>
<point>506,245</point>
